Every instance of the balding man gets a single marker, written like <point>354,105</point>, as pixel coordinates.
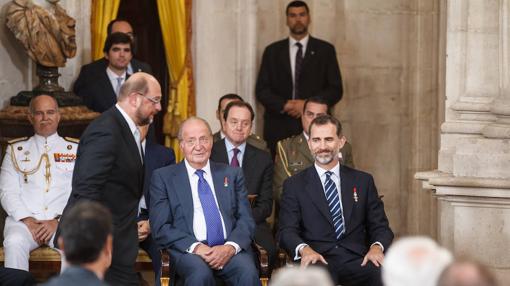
<point>199,211</point>
<point>35,183</point>
<point>109,168</point>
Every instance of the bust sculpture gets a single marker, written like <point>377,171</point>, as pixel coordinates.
<point>47,34</point>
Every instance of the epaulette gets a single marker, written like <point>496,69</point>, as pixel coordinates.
<point>73,140</point>
<point>18,140</point>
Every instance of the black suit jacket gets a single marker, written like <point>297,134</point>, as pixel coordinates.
<point>305,216</point>
<point>320,76</point>
<point>108,169</point>
<point>156,156</point>
<point>94,86</point>
<point>258,174</point>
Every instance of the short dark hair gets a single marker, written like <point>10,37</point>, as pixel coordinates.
<point>117,38</point>
<point>326,119</point>
<point>317,100</point>
<point>238,104</point>
<point>84,230</point>
<point>229,96</point>
<point>297,4</point>
<point>109,28</point>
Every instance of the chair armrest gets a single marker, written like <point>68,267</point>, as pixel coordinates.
<point>165,268</point>
<point>263,259</point>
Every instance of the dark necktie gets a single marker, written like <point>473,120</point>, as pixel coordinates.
<point>235,162</point>
<point>297,69</point>
<point>211,212</point>
<point>335,208</point>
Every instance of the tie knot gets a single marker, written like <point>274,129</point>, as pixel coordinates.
<point>200,173</point>
<point>328,175</point>
<point>299,45</point>
<point>236,151</point>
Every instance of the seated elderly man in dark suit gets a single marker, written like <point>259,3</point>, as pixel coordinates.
<point>332,214</point>
<point>256,164</point>
<point>86,238</point>
<point>199,211</point>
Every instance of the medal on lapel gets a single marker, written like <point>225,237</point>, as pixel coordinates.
<point>355,195</point>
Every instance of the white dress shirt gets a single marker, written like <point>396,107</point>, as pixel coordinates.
<point>113,78</point>
<point>199,225</point>
<point>230,151</point>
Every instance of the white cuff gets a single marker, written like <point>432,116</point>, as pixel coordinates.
<point>378,243</point>
<point>235,245</point>
<point>192,247</point>
<point>298,248</point>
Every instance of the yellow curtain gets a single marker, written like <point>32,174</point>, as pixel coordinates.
<point>103,11</point>
<point>175,19</point>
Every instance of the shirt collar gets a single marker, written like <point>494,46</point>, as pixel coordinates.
<point>321,171</point>
<point>231,146</point>
<point>306,136</point>
<point>41,140</point>
<point>191,171</point>
<point>130,122</point>
<point>113,76</point>
<point>303,41</point>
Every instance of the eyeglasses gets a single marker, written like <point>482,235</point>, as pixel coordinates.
<point>154,100</point>
<point>191,142</point>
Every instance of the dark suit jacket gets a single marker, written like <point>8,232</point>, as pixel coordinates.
<point>305,216</point>
<point>108,169</point>
<point>320,76</point>
<point>171,209</point>
<point>76,276</point>
<point>94,86</point>
<point>258,173</point>
<point>156,156</point>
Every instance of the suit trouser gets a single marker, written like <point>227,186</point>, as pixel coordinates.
<point>150,246</point>
<point>345,268</point>
<point>18,242</point>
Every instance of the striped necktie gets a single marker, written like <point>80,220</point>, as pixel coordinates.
<point>335,208</point>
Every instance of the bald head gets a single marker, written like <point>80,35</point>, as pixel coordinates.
<point>44,115</point>
<point>140,97</point>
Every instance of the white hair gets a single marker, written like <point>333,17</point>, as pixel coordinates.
<point>417,261</point>
<point>295,276</point>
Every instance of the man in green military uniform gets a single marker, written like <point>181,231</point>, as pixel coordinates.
<point>293,154</point>
<point>253,139</point>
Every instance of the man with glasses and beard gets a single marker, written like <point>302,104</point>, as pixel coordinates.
<point>109,168</point>
<point>331,214</point>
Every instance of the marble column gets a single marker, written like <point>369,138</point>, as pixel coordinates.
<point>472,183</point>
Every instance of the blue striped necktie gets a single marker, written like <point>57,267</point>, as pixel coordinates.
<point>335,208</point>
<point>211,212</point>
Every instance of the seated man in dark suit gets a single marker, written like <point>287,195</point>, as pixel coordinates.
<point>86,239</point>
<point>200,213</point>
<point>155,156</point>
<point>332,214</point>
<point>253,139</point>
<point>256,164</point>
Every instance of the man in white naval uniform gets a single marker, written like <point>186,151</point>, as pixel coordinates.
<point>35,183</point>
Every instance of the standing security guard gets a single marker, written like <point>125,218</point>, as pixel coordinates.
<point>35,183</point>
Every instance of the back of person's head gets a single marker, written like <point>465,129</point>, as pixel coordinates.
<point>117,38</point>
<point>416,261</point>
<point>84,232</point>
<point>294,276</point>
<point>466,273</point>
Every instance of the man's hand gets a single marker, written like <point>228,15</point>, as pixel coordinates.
<point>46,230</point>
<point>309,256</point>
<point>294,107</point>
<point>144,229</point>
<point>32,225</point>
<point>375,254</point>
<point>201,250</point>
<point>219,255</point>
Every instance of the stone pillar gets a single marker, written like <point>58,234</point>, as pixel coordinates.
<point>472,184</point>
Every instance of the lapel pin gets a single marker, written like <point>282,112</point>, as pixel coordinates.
<point>355,195</point>
<point>225,182</point>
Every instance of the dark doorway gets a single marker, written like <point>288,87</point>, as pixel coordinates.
<point>143,16</point>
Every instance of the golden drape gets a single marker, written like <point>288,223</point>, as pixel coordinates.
<point>103,11</point>
<point>175,19</point>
